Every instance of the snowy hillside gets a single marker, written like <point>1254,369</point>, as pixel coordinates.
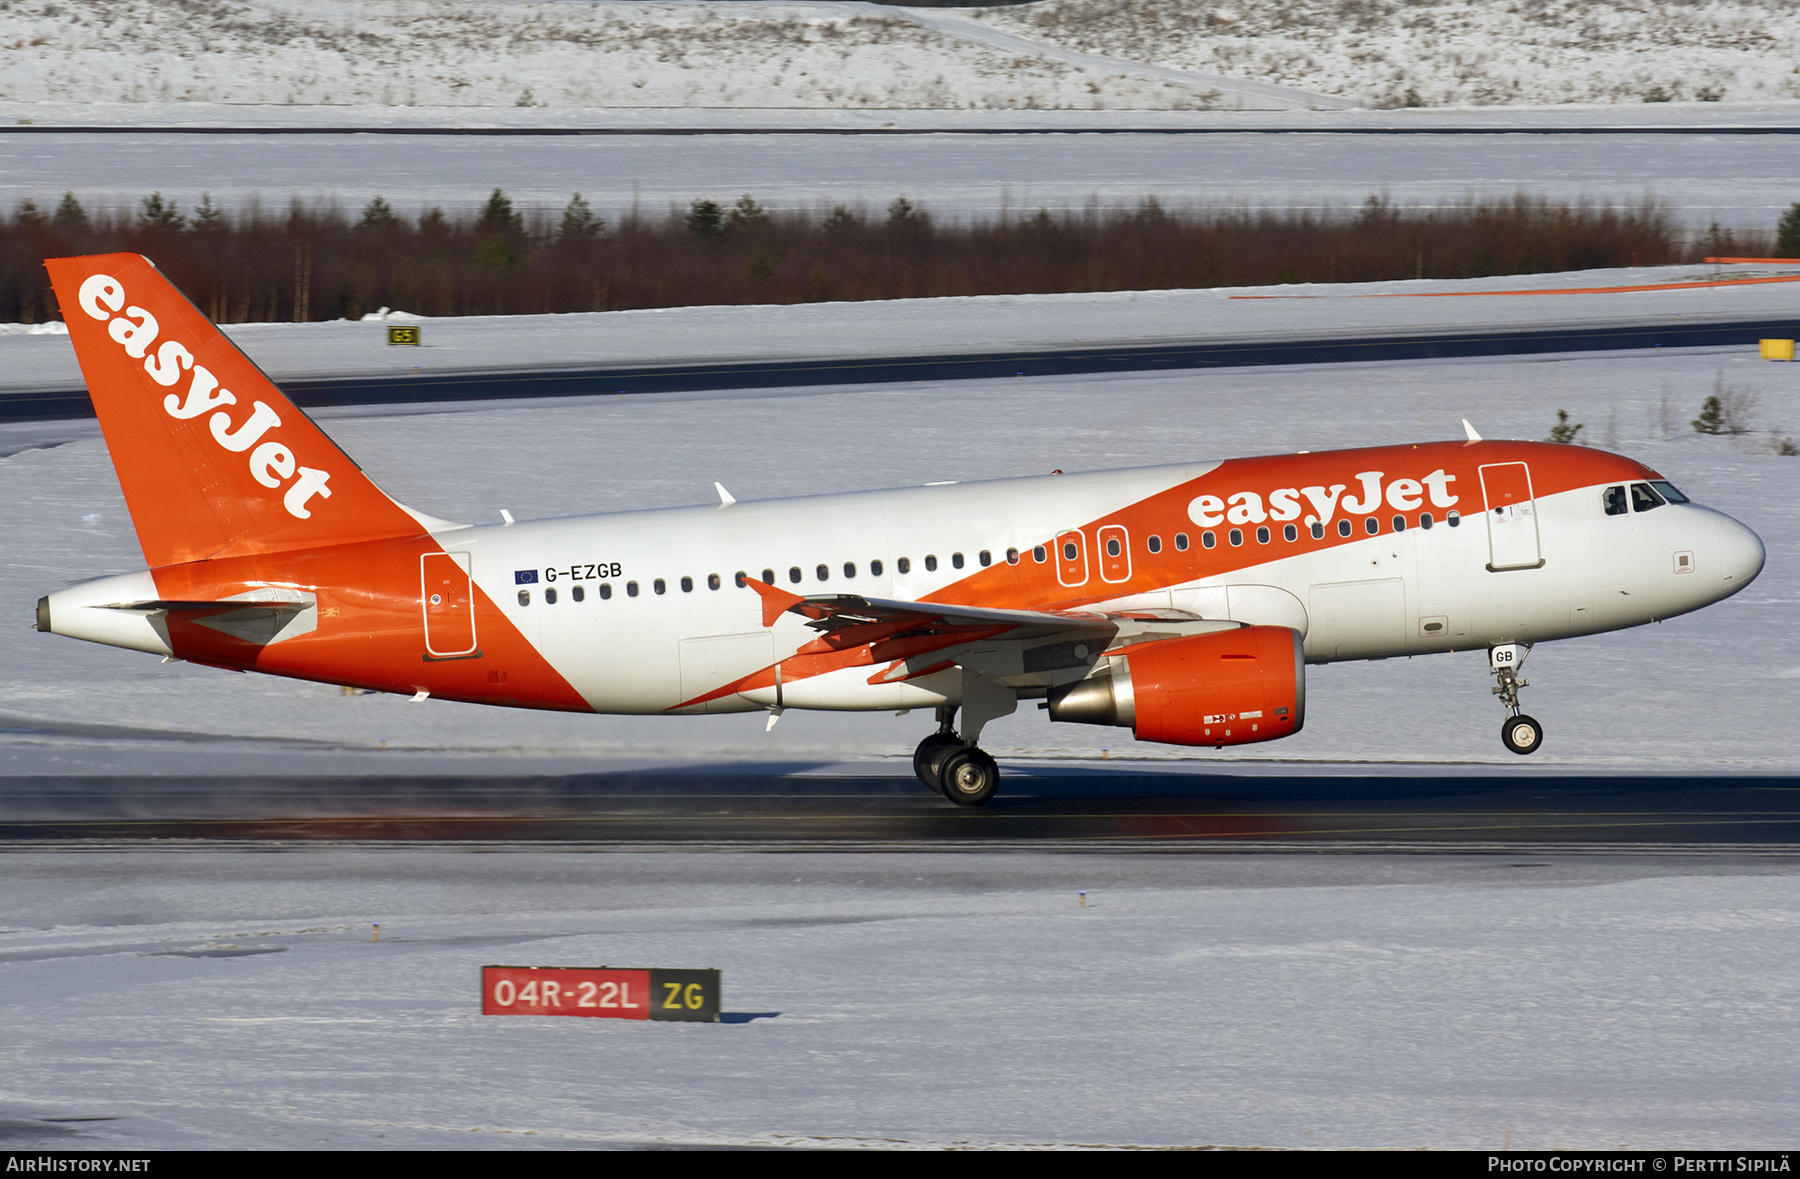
<point>492,53</point>
<point>1437,52</point>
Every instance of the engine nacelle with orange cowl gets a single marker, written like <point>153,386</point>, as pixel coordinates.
<point>1230,687</point>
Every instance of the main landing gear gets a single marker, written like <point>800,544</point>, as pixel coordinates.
<point>1520,733</point>
<point>962,773</point>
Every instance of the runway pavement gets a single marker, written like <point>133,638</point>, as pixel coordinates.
<point>490,385</point>
<point>1136,808</point>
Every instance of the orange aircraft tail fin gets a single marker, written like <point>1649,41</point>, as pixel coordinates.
<point>214,460</point>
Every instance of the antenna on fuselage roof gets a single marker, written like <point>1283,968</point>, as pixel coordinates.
<point>1470,431</point>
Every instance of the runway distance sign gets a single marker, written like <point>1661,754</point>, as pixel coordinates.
<point>689,996</point>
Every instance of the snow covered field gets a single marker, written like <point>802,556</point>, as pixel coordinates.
<point>1440,52</point>
<point>1738,181</point>
<point>1713,690</point>
<point>1056,54</point>
<point>487,53</point>
<point>231,998</point>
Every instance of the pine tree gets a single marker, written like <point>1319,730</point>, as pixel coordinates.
<point>1712,417</point>
<point>1562,431</point>
<point>706,219</point>
<point>497,216</point>
<point>162,215</point>
<point>69,214</point>
<point>378,217</point>
<point>208,217</point>
<point>1787,233</point>
<point>579,222</point>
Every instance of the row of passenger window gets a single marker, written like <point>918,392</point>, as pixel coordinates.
<point>1290,533</point>
<point>1039,554</point>
<point>795,576</point>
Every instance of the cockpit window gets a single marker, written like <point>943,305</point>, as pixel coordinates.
<point>1644,497</point>
<point>1614,499</point>
<point>1668,491</point>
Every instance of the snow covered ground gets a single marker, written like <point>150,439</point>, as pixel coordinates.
<point>1739,181</point>
<point>1438,52</point>
<point>38,356</point>
<point>1056,54</point>
<point>496,53</point>
<point>231,998</point>
<point>1713,690</point>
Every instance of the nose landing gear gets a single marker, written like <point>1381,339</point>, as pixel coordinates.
<point>1521,734</point>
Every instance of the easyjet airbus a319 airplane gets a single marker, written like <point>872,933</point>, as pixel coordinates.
<point>1181,602</point>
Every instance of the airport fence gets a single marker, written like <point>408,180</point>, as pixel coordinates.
<point>311,263</point>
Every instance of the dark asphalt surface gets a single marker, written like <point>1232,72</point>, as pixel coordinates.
<point>102,129</point>
<point>416,388</point>
<point>759,806</point>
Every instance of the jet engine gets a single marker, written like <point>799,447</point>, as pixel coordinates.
<point>1230,687</point>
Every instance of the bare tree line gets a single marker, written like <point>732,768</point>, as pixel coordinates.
<point>321,263</point>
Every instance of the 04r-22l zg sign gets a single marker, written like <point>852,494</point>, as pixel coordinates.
<point>690,996</point>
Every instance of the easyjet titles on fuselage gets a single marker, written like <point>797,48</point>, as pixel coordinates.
<point>1284,503</point>
<point>272,463</point>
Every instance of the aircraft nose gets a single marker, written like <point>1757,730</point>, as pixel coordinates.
<point>1741,554</point>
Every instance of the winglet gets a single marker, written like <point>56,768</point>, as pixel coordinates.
<point>725,497</point>
<point>775,602</point>
<point>1470,431</point>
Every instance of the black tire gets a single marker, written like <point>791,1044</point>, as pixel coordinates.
<point>1522,734</point>
<point>969,776</point>
<point>929,757</point>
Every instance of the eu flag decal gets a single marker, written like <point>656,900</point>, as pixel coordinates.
<point>525,577</point>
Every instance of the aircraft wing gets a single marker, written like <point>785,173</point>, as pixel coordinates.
<point>830,612</point>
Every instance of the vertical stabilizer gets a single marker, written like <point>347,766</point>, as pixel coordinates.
<point>215,461</point>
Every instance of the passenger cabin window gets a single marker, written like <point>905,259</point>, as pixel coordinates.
<point>849,568</point>
<point>1154,544</point>
<point>1039,554</point>
<point>1425,520</point>
<point>1181,542</point>
<point>1236,536</point>
<point>1262,535</point>
<point>1112,546</point>
<point>579,594</point>
<point>874,568</point>
<point>1371,526</point>
<point>768,577</point>
<point>739,578</point>
<point>1208,540</point>
<point>712,581</point>
<point>1644,498</point>
<point>1343,528</point>
<point>1453,518</point>
<point>794,574</point>
<point>605,590</point>
<point>687,585</point>
<point>549,597</point>
<point>956,560</point>
<point>631,590</point>
<point>986,558</point>
<point>1318,530</point>
<point>1012,556</point>
<point>904,564</point>
<point>660,586</point>
<point>930,563</point>
<point>524,597</point>
<point>1290,533</point>
<point>1399,523</point>
<point>823,572</point>
<point>1614,500</point>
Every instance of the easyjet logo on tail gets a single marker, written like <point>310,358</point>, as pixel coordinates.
<point>272,463</point>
